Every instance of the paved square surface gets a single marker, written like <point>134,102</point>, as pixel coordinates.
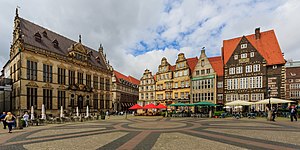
<point>157,133</point>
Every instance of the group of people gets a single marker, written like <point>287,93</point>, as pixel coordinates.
<point>8,119</point>
<point>293,112</point>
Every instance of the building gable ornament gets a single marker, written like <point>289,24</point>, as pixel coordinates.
<point>47,86</point>
<point>48,62</point>
<point>32,84</point>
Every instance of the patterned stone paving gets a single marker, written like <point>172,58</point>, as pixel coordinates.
<point>157,133</point>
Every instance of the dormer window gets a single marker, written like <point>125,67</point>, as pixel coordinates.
<point>45,34</point>
<point>274,66</point>
<point>38,37</point>
<point>55,43</point>
<point>243,46</point>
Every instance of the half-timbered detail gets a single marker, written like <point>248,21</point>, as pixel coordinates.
<point>53,70</point>
<point>253,63</point>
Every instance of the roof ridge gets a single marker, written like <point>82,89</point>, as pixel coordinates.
<point>249,35</point>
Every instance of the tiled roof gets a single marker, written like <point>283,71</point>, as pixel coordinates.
<point>172,68</point>
<point>127,78</point>
<point>217,64</point>
<point>267,46</point>
<point>192,62</point>
<point>154,77</point>
<point>29,29</point>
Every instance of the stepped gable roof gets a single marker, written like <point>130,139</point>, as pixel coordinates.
<point>217,64</point>
<point>29,29</point>
<point>267,46</point>
<point>127,78</point>
<point>192,62</point>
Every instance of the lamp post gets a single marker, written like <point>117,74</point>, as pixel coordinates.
<point>269,111</point>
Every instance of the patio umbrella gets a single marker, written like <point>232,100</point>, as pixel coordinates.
<point>161,106</point>
<point>32,113</point>
<point>205,104</point>
<point>43,112</point>
<point>87,111</point>
<point>61,111</point>
<point>178,104</point>
<point>136,106</point>
<point>273,101</point>
<point>77,112</point>
<point>150,106</point>
<point>238,103</point>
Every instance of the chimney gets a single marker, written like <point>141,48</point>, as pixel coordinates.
<point>257,33</point>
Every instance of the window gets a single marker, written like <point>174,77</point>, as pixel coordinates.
<point>31,97</point>
<point>248,68</point>
<point>101,83</point>
<point>47,98</point>
<point>61,99</point>
<point>197,72</point>
<point>220,84</point>
<point>47,73</point>
<point>107,100</point>
<point>274,66</point>
<point>95,82</point>
<point>71,77</point>
<point>207,71</point>
<point>176,84</point>
<point>236,57</point>
<point>80,78</point>
<point>182,84</point>
<point>31,70</point>
<point>203,72</point>
<point>176,74</point>
<point>88,80</point>
<point>202,63</point>
<point>182,95</point>
<point>239,70</point>
<point>243,46</point>
<point>61,76</point>
<point>95,101</point>
<point>101,101</point>
<point>187,84</point>
<point>252,54</point>
<point>256,68</point>
<point>232,70</point>
<point>176,95</point>
<point>244,55</point>
<point>185,72</point>
<point>107,85</point>
<point>180,73</point>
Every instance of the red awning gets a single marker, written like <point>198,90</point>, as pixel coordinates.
<point>161,106</point>
<point>150,106</point>
<point>136,106</point>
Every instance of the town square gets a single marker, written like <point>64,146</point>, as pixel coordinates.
<point>157,74</point>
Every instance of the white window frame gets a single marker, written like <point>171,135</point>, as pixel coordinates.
<point>252,54</point>
<point>236,57</point>
<point>244,55</point>
<point>249,69</point>
<point>243,46</point>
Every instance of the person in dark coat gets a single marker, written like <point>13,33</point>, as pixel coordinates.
<point>274,113</point>
<point>293,113</point>
<point>3,121</point>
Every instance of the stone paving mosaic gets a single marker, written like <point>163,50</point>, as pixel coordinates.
<point>156,133</point>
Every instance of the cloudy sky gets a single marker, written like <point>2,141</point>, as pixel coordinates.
<point>136,34</point>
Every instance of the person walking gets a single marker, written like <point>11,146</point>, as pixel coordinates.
<point>9,118</point>
<point>293,113</point>
<point>26,118</point>
<point>3,121</point>
<point>273,113</point>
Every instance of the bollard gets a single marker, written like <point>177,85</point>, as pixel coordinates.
<point>18,123</point>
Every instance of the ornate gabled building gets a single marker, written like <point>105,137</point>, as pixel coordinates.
<point>50,69</point>
<point>147,89</point>
<point>207,80</point>
<point>182,78</point>
<point>252,64</point>
<point>125,91</point>
<point>173,82</point>
<point>164,81</point>
<point>293,81</point>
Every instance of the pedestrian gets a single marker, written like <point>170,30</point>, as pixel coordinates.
<point>26,118</point>
<point>3,121</point>
<point>9,118</point>
<point>293,113</point>
<point>273,113</point>
<point>107,114</point>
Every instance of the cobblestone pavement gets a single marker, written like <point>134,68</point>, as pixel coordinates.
<point>157,133</point>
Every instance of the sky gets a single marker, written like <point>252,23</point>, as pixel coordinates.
<point>137,34</point>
